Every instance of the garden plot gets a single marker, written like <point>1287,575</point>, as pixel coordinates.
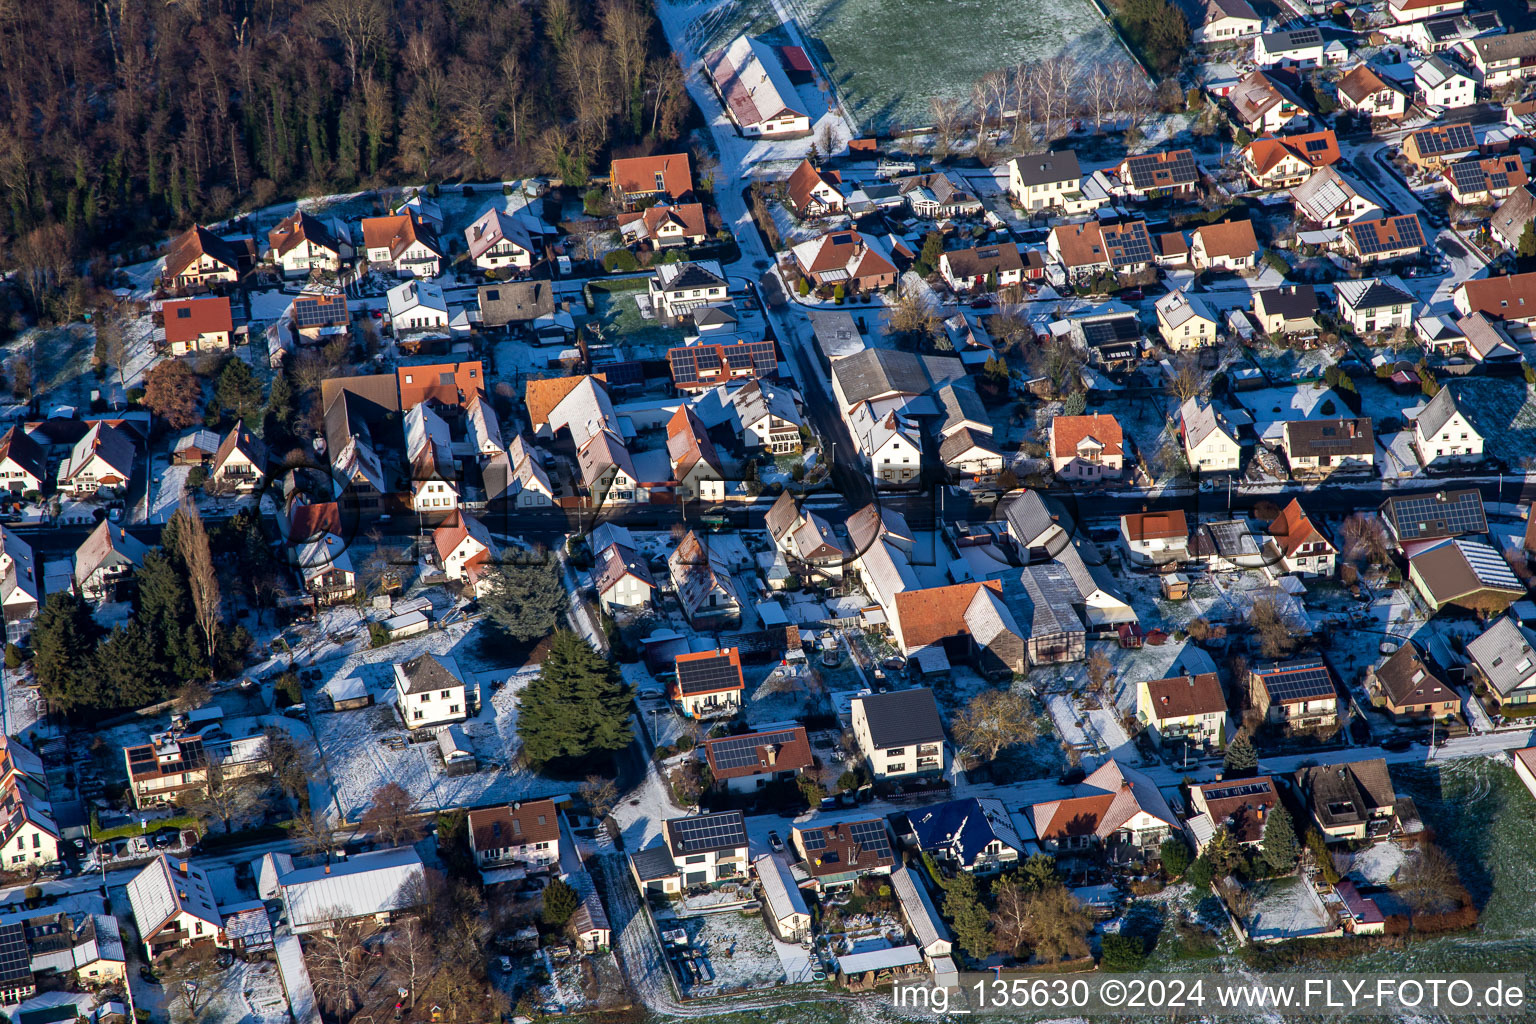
<point>1287,908</point>
<point>740,951</point>
<point>1376,865</point>
<point>363,750</point>
<point>583,984</point>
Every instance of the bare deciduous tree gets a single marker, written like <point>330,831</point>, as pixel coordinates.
<point>202,576</point>
<point>1365,540</point>
<point>995,719</point>
<point>412,958</point>
<point>392,815</point>
<point>225,797</point>
<point>600,794</point>
<point>1185,380</point>
<point>333,963</point>
<point>1429,882</point>
<point>1276,637</point>
<point>191,975</point>
<point>945,112</point>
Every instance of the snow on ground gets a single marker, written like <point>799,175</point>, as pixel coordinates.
<point>1377,864</point>
<point>1287,908</point>
<point>740,951</point>
<point>362,750</point>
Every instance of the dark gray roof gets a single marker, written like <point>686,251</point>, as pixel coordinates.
<point>1045,168</point>
<point>1029,515</point>
<point>1049,596</point>
<point>962,441</point>
<point>653,864</point>
<point>1503,653</point>
<point>903,717</point>
<point>515,302</point>
<point>704,832</point>
<point>425,673</point>
<point>1435,415</point>
<point>1294,302</point>
<point>1346,794</point>
<point>1435,516</point>
<point>960,404</point>
<point>877,371</point>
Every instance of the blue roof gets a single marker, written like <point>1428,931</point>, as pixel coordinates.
<point>962,828</point>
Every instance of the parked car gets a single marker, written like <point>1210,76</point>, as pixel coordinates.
<point>775,843</point>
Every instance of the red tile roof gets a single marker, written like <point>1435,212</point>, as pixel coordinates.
<point>1141,526</point>
<point>1068,431</point>
<point>1291,529</point>
<point>187,319</point>
<point>935,613</point>
<point>637,175</point>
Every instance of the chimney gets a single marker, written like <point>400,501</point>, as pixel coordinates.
<point>327,869</point>
<point>772,752</point>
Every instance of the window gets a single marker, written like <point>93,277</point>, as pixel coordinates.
<point>446,694</point>
<point>453,709</point>
<point>184,313</point>
<point>417,716</point>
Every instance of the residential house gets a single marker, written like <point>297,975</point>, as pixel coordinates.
<point>971,457</point>
<point>21,590</point>
<point>1349,802</point>
<point>429,451</point>
<point>325,567</point>
<point>1524,763</point>
<point>765,416</point>
<point>417,305</point>
<point>1115,807</point>
<point>845,258</point>
<point>23,462</point>
<point>1086,448</point>
<point>465,550</point>
<point>982,268</point>
<point>708,684</point>
<point>708,848</point>
<point>1502,664</point>
<point>1163,175</point>
<point>1440,82</point>
<point>698,474</point>
<point>1185,321</point>
<point>1451,32</point>
<point>899,733</point>
<point>783,906</point>
<point>1266,101</point>
<point>1290,310</point>
<point>197,259</point>
<point>704,584</point>
<point>622,579</point>
<point>1155,538</point>
<point>100,464</point>
<point>1295,695</point>
<point>665,227</point>
<point>1407,687</point>
<point>174,765</point>
<point>1442,432</point>
<point>814,192</point>
<point>704,365</point>
<point>1188,709</point>
<point>375,885</point>
<point>198,325</point>
<point>1328,199</point>
<point>748,762</point>
<point>108,556</point>
<point>517,478</point>
<point>499,240</point>
<point>1404,11</point>
<point>1467,573</point>
<point>1210,442</point>
<point>173,905</point>
<point>1377,305</point>
<point>522,835</point>
<point>1482,181</point>
<point>1092,248</point>
<point>1293,48</point>
<point>1297,546</point>
<point>1503,59</point>
<point>968,621</point>
<point>1320,448</point>
<point>757,95</point>
<point>403,244</point>
<point>301,243</point>
<point>528,305</point>
<point>1433,147</point>
<point>654,870</point>
<point>1240,805</point>
<point>1507,298</point>
<point>1369,95</point>
<point>430,691</point>
<point>1417,522</point>
<point>1048,181</point>
<point>1286,161</point>
<point>1220,21</point>
<point>320,318</point>
<point>842,853</point>
<point>647,180</point>
<point>29,834</point>
<point>1377,241</point>
<point>937,195</point>
<point>972,834</point>
<point>805,538</point>
<point>676,289</point>
<point>1230,245</point>
<point>240,464</point>
<point>1514,217</point>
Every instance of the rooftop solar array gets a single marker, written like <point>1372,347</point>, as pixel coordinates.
<point>708,832</point>
<point>1426,516</point>
<point>695,364</point>
<point>1316,145</point>
<point>871,836</point>
<point>15,958</point>
<point>1160,170</point>
<point>307,312</point>
<point>706,675</point>
<point>1246,787</point>
<point>741,751</point>
<point>1304,681</point>
<point>1451,138</point>
<point>1234,537</point>
<point>629,373</point>
<point>1128,244</point>
<point>1377,236</point>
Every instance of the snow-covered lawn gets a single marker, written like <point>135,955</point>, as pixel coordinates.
<point>1377,864</point>
<point>740,951</point>
<point>1287,908</point>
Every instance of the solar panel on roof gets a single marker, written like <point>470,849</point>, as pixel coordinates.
<point>871,836</point>
<point>813,840</point>
<point>1425,516</point>
<point>705,674</point>
<point>628,373</point>
<point>1316,145</point>
<point>1449,138</point>
<point>15,958</point>
<point>310,313</point>
<point>1301,682</point>
<point>741,751</point>
<point>710,832</point>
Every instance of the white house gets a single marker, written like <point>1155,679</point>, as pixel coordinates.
<point>1210,443</point>
<point>1185,321</point>
<point>1155,538</point>
<point>173,905</point>
<point>417,306</point>
<point>1375,304</point>
<point>301,243</point>
<point>1191,709</point>
<point>241,461</point>
<point>429,451</point>
<point>499,240</point>
<point>1442,433</point>
<point>430,691</point>
<point>708,848</point>
<point>622,579</point>
<point>677,289</point>
<point>1221,21</point>
<point>29,836</point>
<point>1441,81</point>
<point>1088,447</point>
<point>101,463</point>
<point>109,555</point>
<point>403,244</point>
<point>465,549</point>
<point>1049,181</point>
<point>374,885</point>
<point>758,95</point>
<point>21,589</point>
<point>23,462</point>
<point>1297,48</point>
<point>899,733</point>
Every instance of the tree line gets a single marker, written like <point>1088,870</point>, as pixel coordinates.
<point>125,121</point>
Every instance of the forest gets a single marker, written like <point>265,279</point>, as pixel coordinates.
<point>126,121</point>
